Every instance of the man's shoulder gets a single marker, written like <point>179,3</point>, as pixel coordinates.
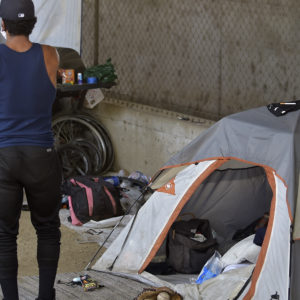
<point>50,52</point>
<point>49,49</point>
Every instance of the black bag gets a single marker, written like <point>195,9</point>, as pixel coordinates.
<point>91,198</point>
<point>186,255</point>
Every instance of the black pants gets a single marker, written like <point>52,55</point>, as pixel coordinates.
<point>37,171</point>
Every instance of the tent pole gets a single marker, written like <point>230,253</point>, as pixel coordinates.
<point>145,189</point>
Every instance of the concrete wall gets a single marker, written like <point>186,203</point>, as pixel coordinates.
<point>144,138</point>
<point>201,57</point>
<point>88,33</point>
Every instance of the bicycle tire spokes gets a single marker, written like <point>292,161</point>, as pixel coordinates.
<point>90,147</point>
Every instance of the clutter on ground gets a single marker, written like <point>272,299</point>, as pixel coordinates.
<point>85,281</point>
<point>161,293</point>
<point>93,205</point>
<point>234,197</point>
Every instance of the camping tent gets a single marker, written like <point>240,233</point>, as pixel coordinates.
<point>244,165</point>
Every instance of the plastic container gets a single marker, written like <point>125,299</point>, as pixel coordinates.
<point>211,269</point>
<point>92,80</point>
<point>113,180</point>
<point>79,78</point>
<point>68,76</point>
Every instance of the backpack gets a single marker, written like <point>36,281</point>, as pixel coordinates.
<point>91,198</point>
<point>190,245</point>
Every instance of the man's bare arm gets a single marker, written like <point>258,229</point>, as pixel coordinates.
<point>51,58</point>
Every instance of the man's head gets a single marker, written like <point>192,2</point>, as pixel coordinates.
<point>18,16</point>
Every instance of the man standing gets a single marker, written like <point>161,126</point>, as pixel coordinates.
<point>27,158</point>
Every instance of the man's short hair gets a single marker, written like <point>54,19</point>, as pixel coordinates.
<point>20,27</point>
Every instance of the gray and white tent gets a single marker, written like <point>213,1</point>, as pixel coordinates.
<point>244,165</point>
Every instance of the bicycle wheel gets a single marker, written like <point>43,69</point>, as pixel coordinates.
<point>95,155</point>
<point>110,155</point>
<point>68,128</point>
<point>74,160</point>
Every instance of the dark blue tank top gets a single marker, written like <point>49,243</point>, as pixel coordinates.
<point>26,98</point>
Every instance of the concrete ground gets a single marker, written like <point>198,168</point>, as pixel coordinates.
<point>74,256</point>
<point>73,259</point>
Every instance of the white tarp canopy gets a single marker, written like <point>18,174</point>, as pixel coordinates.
<point>58,24</point>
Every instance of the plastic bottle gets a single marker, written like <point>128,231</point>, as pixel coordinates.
<point>113,180</point>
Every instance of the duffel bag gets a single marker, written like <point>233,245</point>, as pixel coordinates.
<point>91,198</point>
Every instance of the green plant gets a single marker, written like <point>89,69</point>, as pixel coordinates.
<point>105,73</point>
